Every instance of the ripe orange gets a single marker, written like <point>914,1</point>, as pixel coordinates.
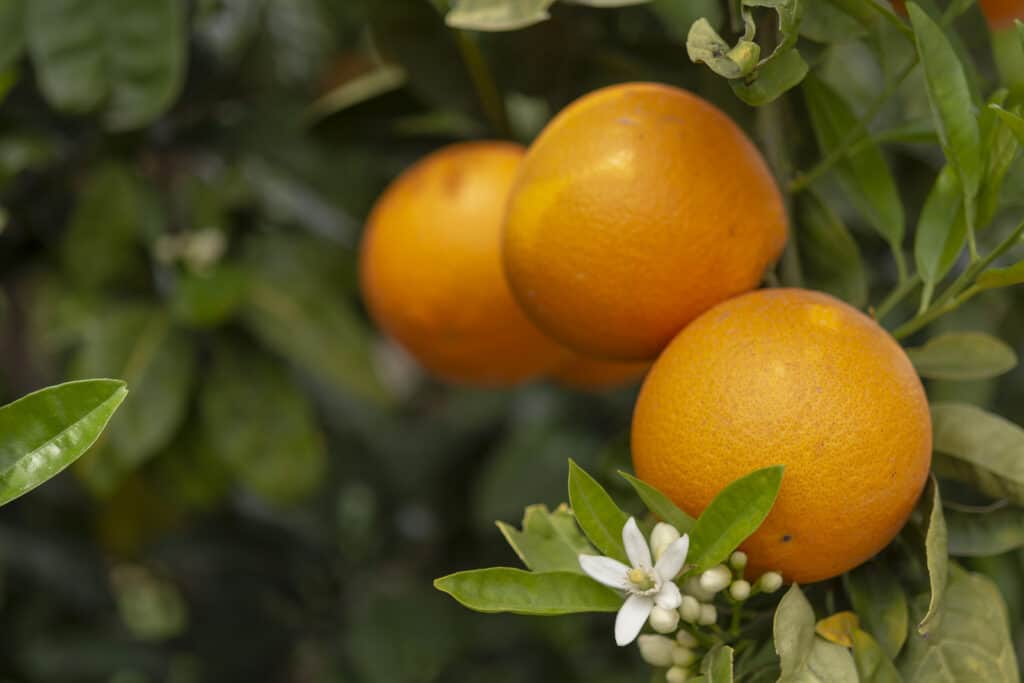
<point>797,378</point>
<point>594,374</point>
<point>431,275</point>
<point>639,207</point>
<point>1001,13</point>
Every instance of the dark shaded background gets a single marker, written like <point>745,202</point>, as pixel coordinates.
<point>281,486</point>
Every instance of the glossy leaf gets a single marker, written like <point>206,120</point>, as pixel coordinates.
<point>941,228</point>
<point>123,55</point>
<point>863,172</point>
<point>141,345</point>
<point>982,534</point>
<point>735,513</point>
<point>972,642</point>
<point>548,541</point>
<point>497,15</point>
<point>47,430</point>
<point>285,458</point>
<point>881,604</point>
<point>660,504</point>
<point>1001,146</point>
<point>936,550</point>
<point>717,664</point>
<point>500,589</point>
<point>597,514</point>
<point>297,307</point>
<point>950,98</point>
<point>981,449</point>
<point>873,665</point>
<point>829,255</point>
<point>963,356</point>
<point>772,80</point>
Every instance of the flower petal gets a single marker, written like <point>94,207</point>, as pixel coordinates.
<point>611,573</point>
<point>636,545</point>
<point>669,596</point>
<point>673,559</point>
<point>631,618</point>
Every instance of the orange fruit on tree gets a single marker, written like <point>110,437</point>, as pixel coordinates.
<point>586,373</point>
<point>431,275</point>
<point>636,209</point>
<point>797,378</point>
<point>1001,13</point>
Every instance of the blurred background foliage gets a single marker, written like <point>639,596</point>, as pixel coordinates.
<point>182,189</point>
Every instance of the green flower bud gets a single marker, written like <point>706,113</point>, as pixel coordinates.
<point>656,650</point>
<point>740,590</point>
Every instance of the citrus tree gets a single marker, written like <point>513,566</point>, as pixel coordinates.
<point>382,272</point>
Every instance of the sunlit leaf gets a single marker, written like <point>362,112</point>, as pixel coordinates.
<point>596,512</point>
<point>500,589</point>
<point>548,541</point>
<point>660,504</point>
<point>46,431</point>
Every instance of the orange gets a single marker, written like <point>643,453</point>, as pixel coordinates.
<point>431,275</point>
<point>637,208</point>
<point>594,374</point>
<point>1001,13</point>
<point>797,378</point>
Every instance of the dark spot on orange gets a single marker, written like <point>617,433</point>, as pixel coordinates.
<point>453,182</point>
<point>787,538</point>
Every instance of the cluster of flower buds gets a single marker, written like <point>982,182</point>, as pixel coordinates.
<point>697,609</point>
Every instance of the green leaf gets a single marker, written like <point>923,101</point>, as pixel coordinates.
<point>125,56</point>
<point>996,278</point>
<point>285,458</point>
<point>803,657</point>
<point>974,534</point>
<point>873,665</point>
<point>735,513</point>
<point>950,100</point>
<point>549,541</point>
<point>972,642</point>
<point>936,551</point>
<point>981,449</point>
<point>211,297</point>
<point>941,229</point>
<point>705,46</point>
<point>1013,121</point>
<point>140,345</point>
<point>829,256</point>
<point>881,604</point>
<point>601,519</point>
<point>963,356</point>
<point>863,172</point>
<point>500,589</point>
<point>1001,146</point>
<point>46,431</point>
<point>297,306</point>
<point>497,15</point>
<point>12,31</point>
<point>772,80</point>
<point>660,504</point>
<point>717,664</point>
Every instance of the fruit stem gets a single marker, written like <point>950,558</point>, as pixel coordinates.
<point>857,136</point>
<point>483,80</point>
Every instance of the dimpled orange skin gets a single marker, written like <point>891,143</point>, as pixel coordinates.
<point>796,378</point>
<point>1001,13</point>
<point>584,373</point>
<point>431,275</point>
<point>637,208</point>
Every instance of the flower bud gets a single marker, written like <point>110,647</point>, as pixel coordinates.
<point>715,579</point>
<point>708,615</point>
<point>677,674</point>
<point>738,560</point>
<point>662,537</point>
<point>689,610</point>
<point>692,587</point>
<point>686,639</point>
<point>656,650</point>
<point>664,620</point>
<point>770,582</point>
<point>683,656</point>
<point>739,590</point>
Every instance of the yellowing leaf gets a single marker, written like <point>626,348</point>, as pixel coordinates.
<point>839,628</point>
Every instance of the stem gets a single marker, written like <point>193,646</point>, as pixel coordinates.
<point>483,80</point>
<point>901,263</point>
<point>897,295</point>
<point>734,623</point>
<point>855,137</point>
<point>702,638</point>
